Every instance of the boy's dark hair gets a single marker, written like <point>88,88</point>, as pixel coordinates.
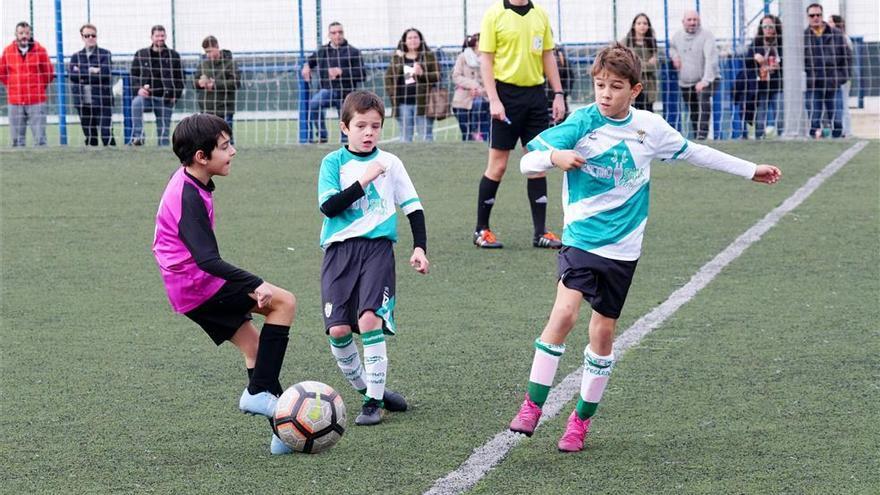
<point>210,42</point>
<point>620,61</point>
<point>361,102</point>
<point>196,132</point>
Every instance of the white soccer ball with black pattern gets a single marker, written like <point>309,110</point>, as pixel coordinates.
<point>310,417</point>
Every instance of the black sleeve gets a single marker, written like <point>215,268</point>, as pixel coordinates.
<point>419,233</point>
<point>177,77</point>
<point>337,203</point>
<point>196,233</point>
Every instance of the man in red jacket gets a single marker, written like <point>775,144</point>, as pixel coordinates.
<point>25,70</point>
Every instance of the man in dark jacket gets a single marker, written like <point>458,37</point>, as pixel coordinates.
<point>827,63</point>
<point>216,80</point>
<point>340,70</point>
<point>91,87</point>
<point>157,80</point>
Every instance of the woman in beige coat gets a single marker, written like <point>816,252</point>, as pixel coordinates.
<point>469,103</point>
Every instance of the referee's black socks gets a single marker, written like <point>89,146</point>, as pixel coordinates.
<point>537,192</point>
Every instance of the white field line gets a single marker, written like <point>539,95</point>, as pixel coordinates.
<point>490,454</point>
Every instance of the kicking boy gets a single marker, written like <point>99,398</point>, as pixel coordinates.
<point>216,295</point>
<point>359,187</point>
<point>605,150</point>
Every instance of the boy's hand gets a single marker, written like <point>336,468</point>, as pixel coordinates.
<point>419,261</point>
<point>566,159</point>
<point>768,174</point>
<point>263,294</point>
<point>374,169</point>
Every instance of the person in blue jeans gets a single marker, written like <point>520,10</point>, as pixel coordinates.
<point>157,80</point>
<point>412,72</point>
<point>340,68</point>
<point>469,102</point>
<point>827,63</point>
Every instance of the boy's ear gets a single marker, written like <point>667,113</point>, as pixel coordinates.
<point>343,127</point>
<point>200,157</point>
<point>636,90</point>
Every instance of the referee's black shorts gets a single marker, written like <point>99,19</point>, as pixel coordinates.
<point>526,109</point>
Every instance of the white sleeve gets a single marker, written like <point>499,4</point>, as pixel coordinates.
<point>405,195</point>
<point>706,157</point>
<point>535,162</point>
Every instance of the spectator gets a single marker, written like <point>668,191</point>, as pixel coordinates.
<point>216,80</point>
<point>469,103</point>
<point>763,69</point>
<point>92,88</point>
<point>841,100</point>
<point>516,46</point>
<point>695,57</point>
<point>566,78</point>
<point>157,79</point>
<point>826,63</point>
<point>340,70</point>
<point>25,70</point>
<point>412,72</point>
<point>642,41</point>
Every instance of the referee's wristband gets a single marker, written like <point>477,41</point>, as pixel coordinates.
<point>555,93</point>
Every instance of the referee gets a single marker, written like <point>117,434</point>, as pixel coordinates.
<point>516,47</point>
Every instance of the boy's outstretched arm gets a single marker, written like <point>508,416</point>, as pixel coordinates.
<point>768,174</point>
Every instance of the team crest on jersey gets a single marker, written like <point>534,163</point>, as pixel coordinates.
<point>328,309</point>
<point>641,136</point>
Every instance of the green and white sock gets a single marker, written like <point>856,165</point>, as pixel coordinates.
<point>543,370</point>
<point>375,363</point>
<point>597,369</point>
<point>347,358</point>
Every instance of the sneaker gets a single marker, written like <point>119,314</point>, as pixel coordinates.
<point>575,432</point>
<point>277,447</point>
<point>371,413</point>
<point>486,239</point>
<point>526,419</point>
<point>393,402</point>
<point>547,241</point>
<point>262,403</point>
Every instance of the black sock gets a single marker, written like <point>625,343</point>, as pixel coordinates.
<point>485,201</point>
<point>250,372</point>
<point>537,192</point>
<point>270,357</point>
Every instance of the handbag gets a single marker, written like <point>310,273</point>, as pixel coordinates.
<point>437,104</point>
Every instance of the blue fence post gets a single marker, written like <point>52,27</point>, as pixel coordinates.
<point>303,109</point>
<point>61,78</point>
<point>126,107</point>
<point>670,95</point>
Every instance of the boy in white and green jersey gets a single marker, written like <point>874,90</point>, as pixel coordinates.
<point>359,190</point>
<point>605,150</point>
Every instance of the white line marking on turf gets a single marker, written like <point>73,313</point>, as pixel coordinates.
<point>394,139</point>
<point>487,456</point>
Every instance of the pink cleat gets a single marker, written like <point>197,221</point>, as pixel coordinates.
<point>526,419</point>
<point>575,432</point>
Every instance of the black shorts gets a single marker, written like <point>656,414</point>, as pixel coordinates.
<point>526,109</point>
<point>357,275</point>
<point>603,282</point>
<point>225,312</point>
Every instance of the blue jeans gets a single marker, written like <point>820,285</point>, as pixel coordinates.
<point>410,123</point>
<point>474,122</point>
<point>161,108</point>
<point>841,107</point>
<point>821,101</point>
<point>322,99</point>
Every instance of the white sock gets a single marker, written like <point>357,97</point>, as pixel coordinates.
<point>375,363</point>
<point>347,358</point>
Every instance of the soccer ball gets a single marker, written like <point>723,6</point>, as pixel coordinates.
<point>310,417</point>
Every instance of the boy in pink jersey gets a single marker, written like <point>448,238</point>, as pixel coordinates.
<point>216,295</point>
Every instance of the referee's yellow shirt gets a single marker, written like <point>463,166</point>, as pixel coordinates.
<point>518,43</point>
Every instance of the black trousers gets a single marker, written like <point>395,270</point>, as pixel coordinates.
<point>96,120</point>
<point>700,109</point>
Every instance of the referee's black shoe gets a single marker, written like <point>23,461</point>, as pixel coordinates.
<point>547,241</point>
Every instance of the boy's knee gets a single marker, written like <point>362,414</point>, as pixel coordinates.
<point>369,321</point>
<point>339,331</point>
<point>286,301</point>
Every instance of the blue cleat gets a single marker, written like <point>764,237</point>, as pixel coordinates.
<point>262,403</point>
<point>277,447</point>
